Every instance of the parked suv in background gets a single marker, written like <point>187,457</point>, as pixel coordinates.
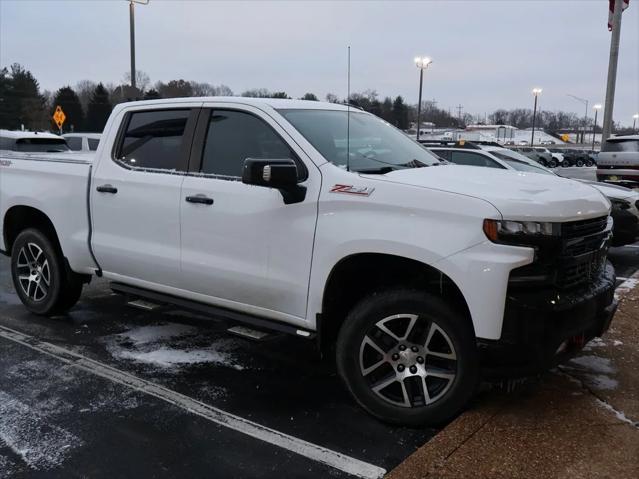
<point>618,161</point>
<point>32,142</point>
<point>541,157</point>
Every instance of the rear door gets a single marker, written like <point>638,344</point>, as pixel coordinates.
<point>242,246</point>
<point>135,197</point>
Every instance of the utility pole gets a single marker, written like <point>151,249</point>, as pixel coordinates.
<point>612,70</point>
<point>536,92</point>
<point>459,113</point>
<point>132,31</point>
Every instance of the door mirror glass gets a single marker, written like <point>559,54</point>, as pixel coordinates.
<point>280,174</point>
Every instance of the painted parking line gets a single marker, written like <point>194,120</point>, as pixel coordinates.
<point>309,450</point>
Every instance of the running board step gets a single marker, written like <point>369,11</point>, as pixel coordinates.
<point>248,333</point>
<point>154,297</point>
<point>144,305</point>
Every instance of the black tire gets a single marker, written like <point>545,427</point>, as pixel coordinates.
<point>579,163</point>
<point>553,163</point>
<point>53,289</point>
<point>430,312</point>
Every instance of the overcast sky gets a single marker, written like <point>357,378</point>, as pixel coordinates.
<point>486,54</point>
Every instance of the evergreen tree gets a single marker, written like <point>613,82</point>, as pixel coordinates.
<point>99,109</point>
<point>400,113</point>
<point>21,101</point>
<point>152,94</point>
<point>67,99</point>
<point>309,96</point>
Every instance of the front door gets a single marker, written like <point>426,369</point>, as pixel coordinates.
<point>242,247</point>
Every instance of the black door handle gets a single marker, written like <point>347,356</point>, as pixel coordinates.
<point>107,189</point>
<point>200,199</point>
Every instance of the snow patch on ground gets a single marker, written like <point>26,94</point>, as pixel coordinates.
<point>39,443</point>
<point>595,364</point>
<point>168,357</point>
<point>156,333</point>
<point>618,414</point>
<point>172,345</point>
<point>625,287</point>
<point>594,371</point>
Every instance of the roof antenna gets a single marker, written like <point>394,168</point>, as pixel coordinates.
<point>348,114</point>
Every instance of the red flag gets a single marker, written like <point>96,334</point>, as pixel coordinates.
<point>611,10</point>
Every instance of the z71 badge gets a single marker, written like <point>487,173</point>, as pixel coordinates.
<point>352,190</point>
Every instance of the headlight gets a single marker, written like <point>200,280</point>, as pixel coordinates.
<point>519,232</point>
<point>621,204</point>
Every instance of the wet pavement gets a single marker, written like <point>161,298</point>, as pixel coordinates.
<point>60,420</point>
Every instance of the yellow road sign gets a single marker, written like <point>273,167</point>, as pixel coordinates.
<point>59,116</point>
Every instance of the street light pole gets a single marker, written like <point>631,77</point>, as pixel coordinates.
<point>132,31</point>
<point>585,102</point>
<point>536,92</point>
<point>421,63</point>
<point>597,107</point>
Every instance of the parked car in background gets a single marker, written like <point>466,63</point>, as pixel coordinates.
<point>618,160</point>
<point>32,142</point>
<point>414,277</point>
<point>544,159</point>
<point>83,141</point>
<point>624,201</point>
<point>580,157</point>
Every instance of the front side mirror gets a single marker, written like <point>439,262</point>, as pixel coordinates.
<point>280,174</point>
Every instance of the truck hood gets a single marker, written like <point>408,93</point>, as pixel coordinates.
<point>517,195</point>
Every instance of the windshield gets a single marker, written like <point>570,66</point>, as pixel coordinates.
<point>41,145</point>
<point>510,158</point>
<point>375,146</point>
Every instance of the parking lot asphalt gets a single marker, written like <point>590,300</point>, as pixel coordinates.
<point>109,390</point>
<point>59,418</point>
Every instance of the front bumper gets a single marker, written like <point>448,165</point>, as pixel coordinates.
<point>543,327</point>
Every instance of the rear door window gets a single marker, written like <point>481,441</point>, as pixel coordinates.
<point>153,139</point>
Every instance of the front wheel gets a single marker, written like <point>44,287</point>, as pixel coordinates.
<point>408,358</point>
<point>39,276</point>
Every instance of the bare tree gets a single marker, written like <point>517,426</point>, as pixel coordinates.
<point>142,80</point>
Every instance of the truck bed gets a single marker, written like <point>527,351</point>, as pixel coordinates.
<point>56,184</point>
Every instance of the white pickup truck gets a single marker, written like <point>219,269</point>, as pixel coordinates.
<point>305,217</point>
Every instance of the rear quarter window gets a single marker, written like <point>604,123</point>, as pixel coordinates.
<point>621,146</point>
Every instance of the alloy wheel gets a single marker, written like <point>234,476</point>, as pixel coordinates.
<point>34,273</point>
<point>408,360</point>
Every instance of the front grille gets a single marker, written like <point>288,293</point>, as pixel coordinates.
<point>576,229</point>
<point>575,258</point>
<point>584,250</point>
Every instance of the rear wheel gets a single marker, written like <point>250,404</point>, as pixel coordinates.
<point>553,163</point>
<point>408,358</point>
<point>579,163</point>
<point>39,276</point>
